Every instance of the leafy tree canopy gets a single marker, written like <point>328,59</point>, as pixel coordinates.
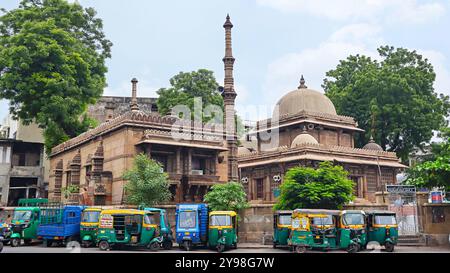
<point>147,185</point>
<point>229,196</point>
<point>187,86</point>
<point>392,99</point>
<point>52,65</point>
<point>326,187</point>
<point>435,171</point>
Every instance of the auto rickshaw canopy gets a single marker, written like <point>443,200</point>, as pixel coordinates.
<point>231,213</point>
<point>124,212</point>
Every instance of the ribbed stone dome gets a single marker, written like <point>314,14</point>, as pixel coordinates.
<point>372,145</point>
<point>304,99</point>
<point>303,138</point>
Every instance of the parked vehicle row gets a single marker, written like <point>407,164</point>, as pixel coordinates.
<point>57,224</point>
<point>350,230</point>
<point>197,226</point>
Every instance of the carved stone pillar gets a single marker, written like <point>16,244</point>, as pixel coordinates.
<point>178,166</point>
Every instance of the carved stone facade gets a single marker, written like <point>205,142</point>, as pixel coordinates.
<point>103,154</point>
<point>309,131</point>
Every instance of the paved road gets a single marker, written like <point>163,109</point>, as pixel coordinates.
<point>38,248</point>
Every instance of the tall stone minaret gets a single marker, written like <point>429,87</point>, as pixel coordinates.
<point>229,97</point>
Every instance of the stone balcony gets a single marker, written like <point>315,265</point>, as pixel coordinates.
<point>23,171</point>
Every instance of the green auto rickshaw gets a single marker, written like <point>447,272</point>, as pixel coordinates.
<point>281,227</point>
<point>26,219</point>
<point>352,233</point>
<point>222,231</point>
<point>301,237</point>
<point>382,228</point>
<point>164,227</point>
<point>89,226</point>
<point>128,227</point>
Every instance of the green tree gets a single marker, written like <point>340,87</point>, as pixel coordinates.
<point>324,188</point>
<point>392,99</point>
<point>229,196</point>
<point>147,184</point>
<point>187,86</point>
<point>52,65</point>
<point>435,171</point>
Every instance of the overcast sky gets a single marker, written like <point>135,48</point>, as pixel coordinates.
<point>274,41</point>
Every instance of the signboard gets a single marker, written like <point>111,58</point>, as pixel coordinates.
<point>401,189</point>
<point>106,221</point>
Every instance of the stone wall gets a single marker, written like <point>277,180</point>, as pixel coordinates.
<point>434,221</point>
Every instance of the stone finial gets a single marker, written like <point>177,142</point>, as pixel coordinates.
<point>134,105</point>
<point>228,23</point>
<point>302,83</point>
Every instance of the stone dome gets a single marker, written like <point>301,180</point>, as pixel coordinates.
<point>304,99</point>
<point>303,138</point>
<point>372,145</point>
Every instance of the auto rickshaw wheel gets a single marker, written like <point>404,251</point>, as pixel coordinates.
<point>27,242</point>
<point>389,247</point>
<point>187,245</point>
<point>85,244</point>
<point>220,248</point>
<point>15,242</point>
<point>274,245</point>
<point>300,249</point>
<point>104,245</point>
<point>1,246</point>
<point>153,246</point>
<point>352,248</point>
<point>167,245</point>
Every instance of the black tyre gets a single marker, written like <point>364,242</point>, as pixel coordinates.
<point>27,242</point>
<point>389,247</point>
<point>167,245</point>
<point>104,245</point>
<point>352,248</point>
<point>15,242</point>
<point>220,248</point>
<point>153,246</point>
<point>85,244</point>
<point>1,246</point>
<point>274,245</point>
<point>187,245</point>
<point>300,249</point>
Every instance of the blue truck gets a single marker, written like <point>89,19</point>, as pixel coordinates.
<point>191,225</point>
<point>59,224</point>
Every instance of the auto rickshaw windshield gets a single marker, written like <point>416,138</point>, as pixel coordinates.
<point>220,220</point>
<point>22,215</point>
<point>90,216</point>
<point>323,221</point>
<point>187,219</point>
<point>353,219</point>
<point>152,219</point>
<point>285,219</point>
<point>385,220</point>
<point>301,222</point>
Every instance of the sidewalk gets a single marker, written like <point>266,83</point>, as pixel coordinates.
<point>244,246</point>
<point>253,245</point>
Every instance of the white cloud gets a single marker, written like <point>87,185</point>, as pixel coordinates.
<point>409,11</point>
<point>438,60</point>
<point>284,73</point>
